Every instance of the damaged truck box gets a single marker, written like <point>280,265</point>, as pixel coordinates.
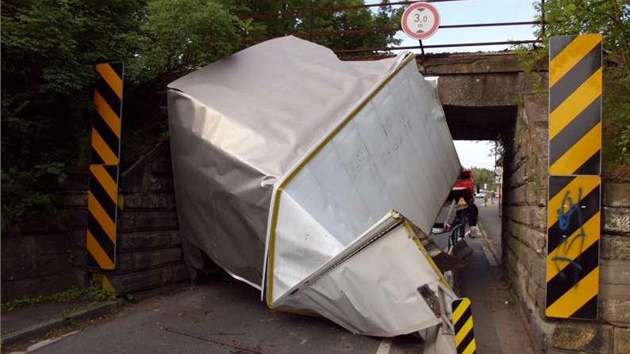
<point>316,181</point>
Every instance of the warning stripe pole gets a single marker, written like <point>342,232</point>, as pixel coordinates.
<point>104,168</point>
<point>574,199</point>
<point>463,322</point>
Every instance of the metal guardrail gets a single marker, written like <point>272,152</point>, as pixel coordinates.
<point>378,52</point>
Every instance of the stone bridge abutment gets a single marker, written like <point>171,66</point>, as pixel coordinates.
<point>491,97</point>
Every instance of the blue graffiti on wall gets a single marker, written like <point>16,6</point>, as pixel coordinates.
<point>569,209</point>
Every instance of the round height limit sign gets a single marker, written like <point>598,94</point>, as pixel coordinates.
<point>420,20</point>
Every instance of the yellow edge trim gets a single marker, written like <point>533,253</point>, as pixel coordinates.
<point>573,246</point>
<point>426,254</point>
<point>463,332</point>
<point>576,297</point>
<point>459,311</point>
<point>579,153</point>
<point>97,252</point>
<point>108,225</point>
<point>577,102</point>
<point>276,206</point>
<point>272,247</point>
<point>103,150</point>
<point>111,77</point>
<point>571,55</point>
<point>587,183</point>
<point>107,113</point>
<point>471,348</point>
<point>109,185</point>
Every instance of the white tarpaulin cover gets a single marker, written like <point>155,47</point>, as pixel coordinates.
<point>285,158</point>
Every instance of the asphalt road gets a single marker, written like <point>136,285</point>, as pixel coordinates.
<point>222,316</point>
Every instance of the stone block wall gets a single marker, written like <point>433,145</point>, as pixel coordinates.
<point>42,260</point>
<point>525,239</point>
<point>39,259</point>
<point>149,252</point>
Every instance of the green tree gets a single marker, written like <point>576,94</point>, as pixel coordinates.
<point>175,37</point>
<point>272,18</point>
<point>612,19</point>
<point>484,176</point>
<point>48,52</point>
<point>332,23</point>
<point>181,36</point>
<point>608,17</point>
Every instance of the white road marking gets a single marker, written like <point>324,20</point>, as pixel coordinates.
<point>44,343</point>
<point>385,346</point>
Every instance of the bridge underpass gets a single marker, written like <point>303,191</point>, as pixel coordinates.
<point>480,123</point>
<point>480,97</point>
<point>490,97</point>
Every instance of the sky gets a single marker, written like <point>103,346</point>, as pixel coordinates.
<point>477,12</point>
<point>477,153</point>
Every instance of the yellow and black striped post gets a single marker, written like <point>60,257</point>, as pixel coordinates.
<point>106,128</point>
<point>575,100</point>
<point>574,222</point>
<point>104,171</point>
<point>574,207</point>
<point>103,214</point>
<point>463,323</point>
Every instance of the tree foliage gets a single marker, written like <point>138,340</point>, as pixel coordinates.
<point>49,49</point>
<point>608,17</point>
<point>179,36</point>
<point>48,52</point>
<point>331,23</point>
<point>612,19</point>
<point>484,177</point>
